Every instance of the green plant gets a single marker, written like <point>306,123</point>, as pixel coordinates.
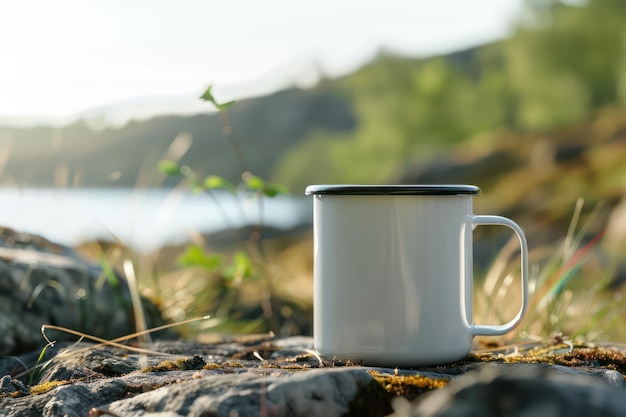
<point>568,292</point>
<point>226,273</point>
<point>33,374</point>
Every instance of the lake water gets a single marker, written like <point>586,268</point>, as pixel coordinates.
<point>145,219</point>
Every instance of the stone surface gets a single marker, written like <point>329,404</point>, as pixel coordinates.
<point>263,376</point>
<point>45,283</point>
<point>527,390</point>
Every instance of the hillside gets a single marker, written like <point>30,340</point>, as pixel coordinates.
<point>78,156</point>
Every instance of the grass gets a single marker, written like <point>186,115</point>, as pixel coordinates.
<point>569,292</point>
<point>282,274</point>
<point>41,364</point>
<point>569,288</point>
<point>195,279</point>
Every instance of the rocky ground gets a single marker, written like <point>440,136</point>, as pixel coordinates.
<point>256,375</point>
<point>263,376</point>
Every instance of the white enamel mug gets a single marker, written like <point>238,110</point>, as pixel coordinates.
<point>393,273</point>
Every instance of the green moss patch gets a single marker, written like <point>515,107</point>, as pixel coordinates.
<point>563,354</point>
<point>46,386</point>
<point>185,364</point>
<point>408,385</point>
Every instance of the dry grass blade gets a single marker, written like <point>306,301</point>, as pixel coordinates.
<point>567,286</point>
<point>104,342</point>
<point>140,318</point>
<point>116,342</point>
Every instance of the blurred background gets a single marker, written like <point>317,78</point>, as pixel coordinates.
<point>524,98</point>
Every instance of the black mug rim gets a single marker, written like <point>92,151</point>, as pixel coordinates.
<point>411,189</point>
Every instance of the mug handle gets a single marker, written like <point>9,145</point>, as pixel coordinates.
<point>486,330</point>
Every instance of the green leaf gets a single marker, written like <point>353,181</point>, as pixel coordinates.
<point>208,96</point>
<point>224,106</point>
<point>272,190</point>
<point>255,183</point>
<point>241,267</point>
<point>196,256</point>
<point>170,168</point>
<point>36,371</point>
<point>215,182</point>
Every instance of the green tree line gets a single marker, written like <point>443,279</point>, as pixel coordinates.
<point>564,62</point>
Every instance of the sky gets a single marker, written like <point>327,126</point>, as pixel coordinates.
<point>64,58</point>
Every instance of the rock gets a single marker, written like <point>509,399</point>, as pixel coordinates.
<point>528,390</point>
<point>264,376</point>
<point>45,283</point>
<point>250,376</point>
<point>9,386</point>
<point>317,392</point>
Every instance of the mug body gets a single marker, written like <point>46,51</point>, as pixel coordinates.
<point>392,273</point>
